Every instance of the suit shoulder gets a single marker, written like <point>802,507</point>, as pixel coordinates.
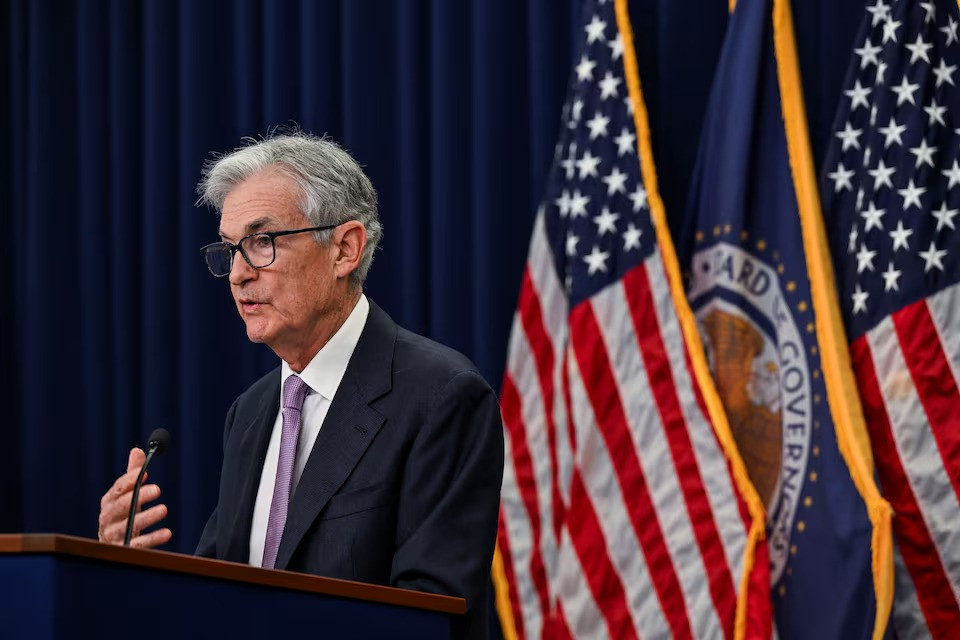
<point>432,363</point>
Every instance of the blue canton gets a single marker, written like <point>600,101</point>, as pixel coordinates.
<point>595,210</point>
<point>891,184</point>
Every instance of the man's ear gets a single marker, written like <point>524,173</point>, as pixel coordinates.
<point>349,239</point>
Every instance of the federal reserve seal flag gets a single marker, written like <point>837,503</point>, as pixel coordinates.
<point>759,281</point>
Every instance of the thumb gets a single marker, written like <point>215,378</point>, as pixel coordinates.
<point>136,459</point>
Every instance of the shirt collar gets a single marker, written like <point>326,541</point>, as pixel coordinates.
<point>325,371</point>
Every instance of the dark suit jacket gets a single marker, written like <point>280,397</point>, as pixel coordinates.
<point>402,486</point>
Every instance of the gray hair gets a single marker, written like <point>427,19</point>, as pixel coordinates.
<point>333,187</point>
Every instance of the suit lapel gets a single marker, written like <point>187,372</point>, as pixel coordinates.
<point>252,451</point>
<point>348,429</point>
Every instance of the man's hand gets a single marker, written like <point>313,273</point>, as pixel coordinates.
<point>115,506</point>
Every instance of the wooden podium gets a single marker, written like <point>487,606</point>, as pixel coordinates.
<point>54,587</point>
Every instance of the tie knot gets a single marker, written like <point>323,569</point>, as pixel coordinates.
<point>294,391</point>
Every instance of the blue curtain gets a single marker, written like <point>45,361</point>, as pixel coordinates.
<point>110,324</point>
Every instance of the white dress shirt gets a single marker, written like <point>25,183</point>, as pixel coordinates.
<point>322,375</point>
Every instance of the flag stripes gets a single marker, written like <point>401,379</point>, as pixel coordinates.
<point>593,360</point>
<point>912,536</point>
<point>931,373</point>
<point>906,373</point>
<point>527,556</point>
<point>639,297</point>
<point>622,515</point>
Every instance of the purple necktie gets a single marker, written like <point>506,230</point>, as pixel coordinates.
<point>294,391</point>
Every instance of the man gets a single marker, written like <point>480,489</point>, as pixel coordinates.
<point>371,453</point>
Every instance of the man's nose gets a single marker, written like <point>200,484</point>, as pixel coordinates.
<point>240,270</point>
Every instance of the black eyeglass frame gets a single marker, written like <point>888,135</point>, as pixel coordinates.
<point>273,235</point>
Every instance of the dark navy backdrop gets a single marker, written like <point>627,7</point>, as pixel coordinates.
<point>109,323</point>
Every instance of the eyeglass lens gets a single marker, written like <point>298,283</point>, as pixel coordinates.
<point>258,249</point>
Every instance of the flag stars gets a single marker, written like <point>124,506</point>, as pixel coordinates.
<point>852,241</point>
<point>918,50</point>
<point>631,237</point>
<point>572,241</point>
<point>859,300</point>
<point>570,162</point>
<point>858,95</point>
<point>639,198</point>
<point>616,47</point>
<point>868,54</point>
<point>578,204</point>
<point>930,11</point>
<point>890,27</point>
<point>595,29</point>
<point>932,258</point>
<point>944,217</point>
<point>625,142</point>
<point>924,153</point>
<point>890,278</point>
<point>892,132</point>
<point>944,72</point>
<point>596,260</point>
<point>880,12</point>
<point>881,175</point>
<point>849,137</point>
<point>950,31</point>
<point>900,235</point>
<point>587,165</point>
<point>563,203</point>
<point>872,218</point>
<point>609,86</point>
<point>911,195</point>
<point>585,69</point>
<point>953,173</point>
<point>841,178</point>
<point>616,181</point>
<point>577,111</point>
<point>865,258</point>
<point>881,73</point>
<point>905,91</point>
<point>935,113</point>
<point>598,125</point>
<point>606,222</point>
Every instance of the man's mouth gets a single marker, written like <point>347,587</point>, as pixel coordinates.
<point>250,305</point>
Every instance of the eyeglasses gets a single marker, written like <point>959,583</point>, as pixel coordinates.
<point>258,249</point>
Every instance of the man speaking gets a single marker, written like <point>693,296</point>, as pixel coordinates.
<point>370,453</point>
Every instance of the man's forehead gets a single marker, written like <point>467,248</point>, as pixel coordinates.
<point>266,201</point>
<point>261,223</point>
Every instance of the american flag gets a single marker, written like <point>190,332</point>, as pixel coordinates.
<point>891,189</point>
<point>620,516</point>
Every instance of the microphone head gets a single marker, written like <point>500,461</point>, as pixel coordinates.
<point>160,438</point>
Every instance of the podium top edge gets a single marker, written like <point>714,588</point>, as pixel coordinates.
<point>56,544</point>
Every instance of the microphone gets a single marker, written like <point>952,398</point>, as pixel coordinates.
<point>158,442</point>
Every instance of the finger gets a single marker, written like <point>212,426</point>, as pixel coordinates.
<point>124,484</point>
<point>117,511</point>
<point>148,518</point>
<point>114,532</point>
<point>136,459</point>
<point>113,508</point>
<point>152,539</point>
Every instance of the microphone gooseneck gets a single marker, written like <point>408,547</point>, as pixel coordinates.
<point>158,442</point>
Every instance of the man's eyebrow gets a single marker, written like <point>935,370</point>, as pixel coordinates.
<point>253,226</point>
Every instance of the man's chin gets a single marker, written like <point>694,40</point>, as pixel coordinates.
<point>256,332</point>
